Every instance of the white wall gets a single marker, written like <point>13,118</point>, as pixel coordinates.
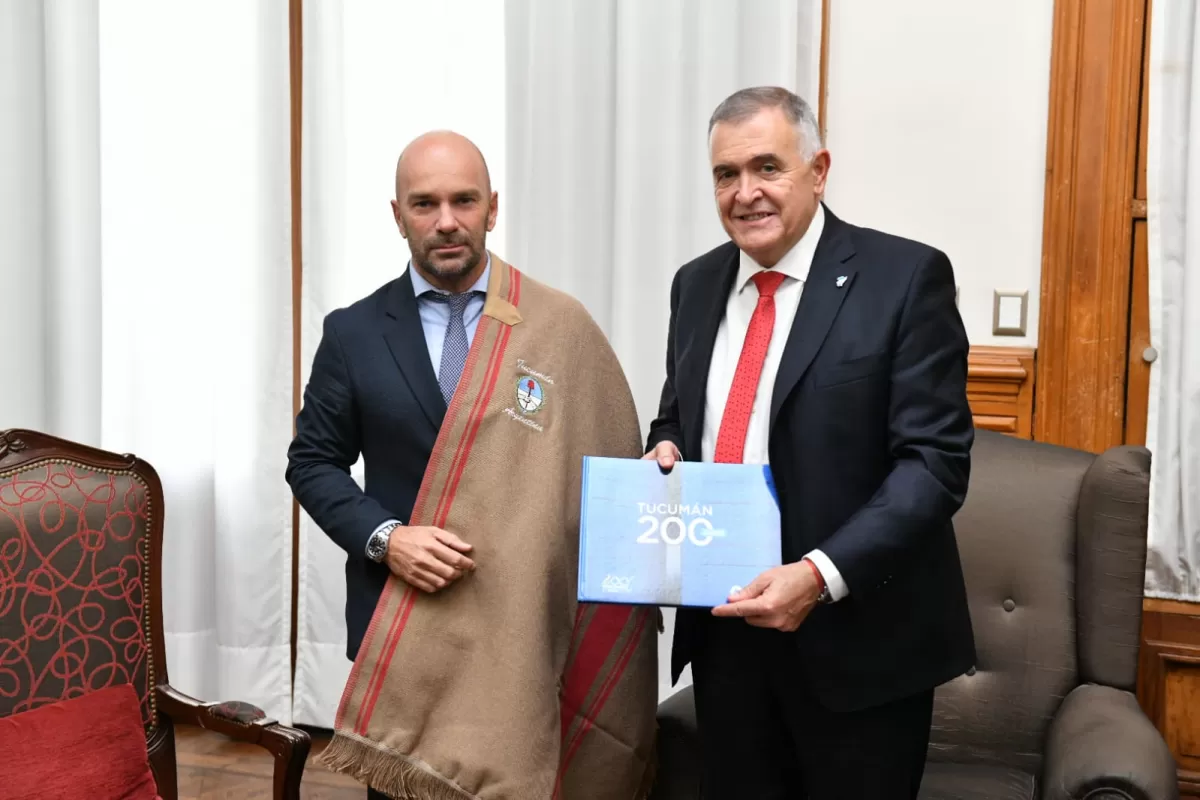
<point>936,122</point>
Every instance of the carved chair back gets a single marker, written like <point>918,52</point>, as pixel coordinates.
<point>80,563</point>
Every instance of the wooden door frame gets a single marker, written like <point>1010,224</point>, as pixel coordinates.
<point>1091,160</point>
<point>296,124</point>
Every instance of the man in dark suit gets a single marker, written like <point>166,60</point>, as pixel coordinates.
<point>837,355</point>
<point>382,377</point>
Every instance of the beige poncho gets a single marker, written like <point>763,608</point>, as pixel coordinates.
<point>502,685</point>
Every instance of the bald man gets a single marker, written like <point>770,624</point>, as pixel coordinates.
<point>460,569</point>
<point>382,378</point>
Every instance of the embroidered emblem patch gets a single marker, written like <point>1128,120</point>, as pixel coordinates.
<point>529,394</point>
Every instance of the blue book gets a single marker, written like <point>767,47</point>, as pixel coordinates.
<point>687,538</point>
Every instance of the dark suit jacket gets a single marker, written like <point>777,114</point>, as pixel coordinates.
<point>870,441</point>
<point>372,391</point>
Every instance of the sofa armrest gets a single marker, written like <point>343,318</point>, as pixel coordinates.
<point>245,723</point>
<point>1102,745</point>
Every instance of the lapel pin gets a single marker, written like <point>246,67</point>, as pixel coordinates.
<point>841,281</point>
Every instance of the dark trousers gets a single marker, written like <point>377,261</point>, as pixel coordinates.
<point>764,736</point>
<point>374,795</point>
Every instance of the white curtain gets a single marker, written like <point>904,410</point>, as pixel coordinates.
<point>376,74</point>
<point>610,189</point>
<point>1173,217</point>
<point>145,268</point>
<point>50,216</point>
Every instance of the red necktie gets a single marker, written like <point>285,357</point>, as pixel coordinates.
<point>731,438</point>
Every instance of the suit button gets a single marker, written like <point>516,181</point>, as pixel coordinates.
<point>1009,605</point>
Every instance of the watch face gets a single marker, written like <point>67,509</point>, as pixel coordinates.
<point>377,547</point>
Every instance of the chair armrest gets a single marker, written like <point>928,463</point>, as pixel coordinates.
<point>678,745</point>
<point>1101,745</point>
<point>245,723</point>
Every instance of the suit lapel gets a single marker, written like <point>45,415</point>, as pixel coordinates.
<point>691,379</point>
<point>406,339</point>
<point>829,282</point>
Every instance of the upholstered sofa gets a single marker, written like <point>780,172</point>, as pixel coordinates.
<point>1053,543</point>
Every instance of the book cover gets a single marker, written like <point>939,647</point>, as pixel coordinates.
<point>687,538</point>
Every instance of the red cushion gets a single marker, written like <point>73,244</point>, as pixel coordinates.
<point>91,746</point>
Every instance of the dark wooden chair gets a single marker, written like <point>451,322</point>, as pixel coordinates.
<point>81,534</point>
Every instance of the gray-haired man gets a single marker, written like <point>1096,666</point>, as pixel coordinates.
<point>836,354</point>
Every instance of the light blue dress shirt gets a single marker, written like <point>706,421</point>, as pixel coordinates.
<point>435,319</point>
<point>435,316</point>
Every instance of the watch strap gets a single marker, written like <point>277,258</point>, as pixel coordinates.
<point>378,542</point>
<point>824,596</point>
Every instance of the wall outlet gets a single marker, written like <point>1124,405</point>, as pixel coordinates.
<point>1009,312</point>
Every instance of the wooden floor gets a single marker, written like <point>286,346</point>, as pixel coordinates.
<point>212,767</point>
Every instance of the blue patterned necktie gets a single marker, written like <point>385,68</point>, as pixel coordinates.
<point>455,347</point>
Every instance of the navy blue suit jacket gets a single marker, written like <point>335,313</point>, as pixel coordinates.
<point>870,439</point>
<point>372,392</point>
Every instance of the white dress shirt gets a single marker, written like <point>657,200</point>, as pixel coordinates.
<point>731,334</point>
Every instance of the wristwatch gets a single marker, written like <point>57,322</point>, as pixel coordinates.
<point>825,596</point>
<point>377,545</point>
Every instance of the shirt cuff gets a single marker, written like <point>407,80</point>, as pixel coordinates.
<point>833,578</point>
<point>382,525</point>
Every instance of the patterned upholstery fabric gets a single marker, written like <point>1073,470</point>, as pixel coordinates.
<point>73,550</point>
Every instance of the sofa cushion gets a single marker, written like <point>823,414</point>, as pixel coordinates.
<point>89,746</point>
<point>972,782</point>
<point>1016,533</point>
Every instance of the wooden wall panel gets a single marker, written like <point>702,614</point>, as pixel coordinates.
<point>1000,389</point>
<point>1169,682</point>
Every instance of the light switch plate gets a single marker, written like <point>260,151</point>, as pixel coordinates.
<point>1009,310</point>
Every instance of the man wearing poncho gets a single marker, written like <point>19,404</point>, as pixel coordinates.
<point>472,393</point>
